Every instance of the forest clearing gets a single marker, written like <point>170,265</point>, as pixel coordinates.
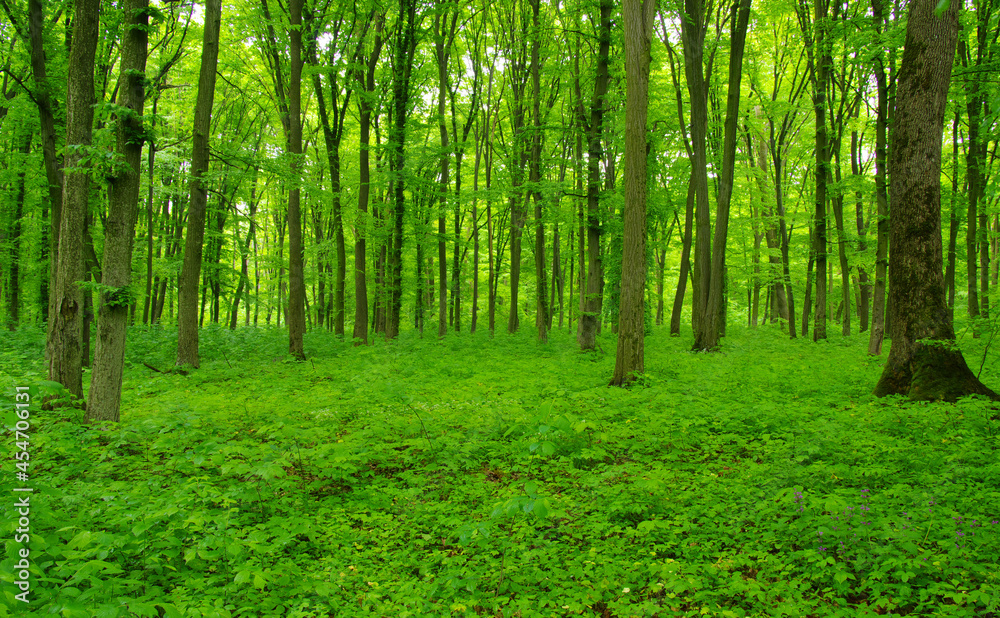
<point>501,477</point>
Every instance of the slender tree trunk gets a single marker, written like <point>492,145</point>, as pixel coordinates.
<point>402,64</point>
<point>65,343</point>
<point>693,38</point>
<point>52,162</point>
<point>535,177</point>
<point>949,276</point>
<point>150,216</point>
<point>296,316</point>
<point>442,50</point>
<point>845,271</point>
<point>591,300</point>
<point>119,229</point>
<point>807,301</point>
<point>187,322</point>
<point>365,100</point>
<point>712,322</point>
<point>864,300</point>
<point>13,299</point>
<point>881,192</point>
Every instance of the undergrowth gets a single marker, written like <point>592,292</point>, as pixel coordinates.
<point>500,477</point>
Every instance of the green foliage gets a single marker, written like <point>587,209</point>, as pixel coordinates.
<point>477,476</point>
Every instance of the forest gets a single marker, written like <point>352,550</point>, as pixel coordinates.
<point>513,308</point>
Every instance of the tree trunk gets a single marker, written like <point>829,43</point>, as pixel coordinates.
<point>442,49</point>
<point>296,316</point>
<point>365,106</point>
<point>693,38</point>
<point>923,362</point>
<point>187,321</point>
<point>65,343</point>
<point>949,274</point>
<point>402,64</point>
<point>13,299</point>
<point>119,229</point>
<point>864,300</point>
<point>881,193</point>
<point>629,358</point>
<point>591,300</point>
<point>52,160</point>
<point>712,322</point>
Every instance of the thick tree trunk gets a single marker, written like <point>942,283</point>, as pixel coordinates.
<point>629,358</point>
<point>65,342</point>
<point>923,362</point>
<point>119,229</point>
<point>187,321</point>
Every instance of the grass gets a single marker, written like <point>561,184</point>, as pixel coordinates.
<point>500,477</point>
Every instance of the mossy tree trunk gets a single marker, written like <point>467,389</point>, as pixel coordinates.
<point>119,230</point>
<point>923,361</point>
<point>65,337</point>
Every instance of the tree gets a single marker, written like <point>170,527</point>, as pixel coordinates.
<point>405,47</point>
<point>187,314</point>
<point>119,229</point>
<point>296,279</point>
<point>923,362</point>
<point>710,250</point>
<point>364,75</point>
<point>66,341</point>
<point>629,360</point>
<point>590,297</point>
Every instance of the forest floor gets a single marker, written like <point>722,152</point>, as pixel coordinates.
<point>500,477</point>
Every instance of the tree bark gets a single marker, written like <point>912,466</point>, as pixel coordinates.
<point>712,322</point>
<point>296,316</point>
<point>119,229</point>
<point>187,314</point>
<point>591,299</point>
<point>365,107</point>
<point>535,176</point>
<point>13,298</point>
<point>923,362</point>
<point>402,65</point>
<point>881,193</point>
<point>629,358</point>
<point>66,344</point>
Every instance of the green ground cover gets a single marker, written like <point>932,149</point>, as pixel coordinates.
<point>499,477</point>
